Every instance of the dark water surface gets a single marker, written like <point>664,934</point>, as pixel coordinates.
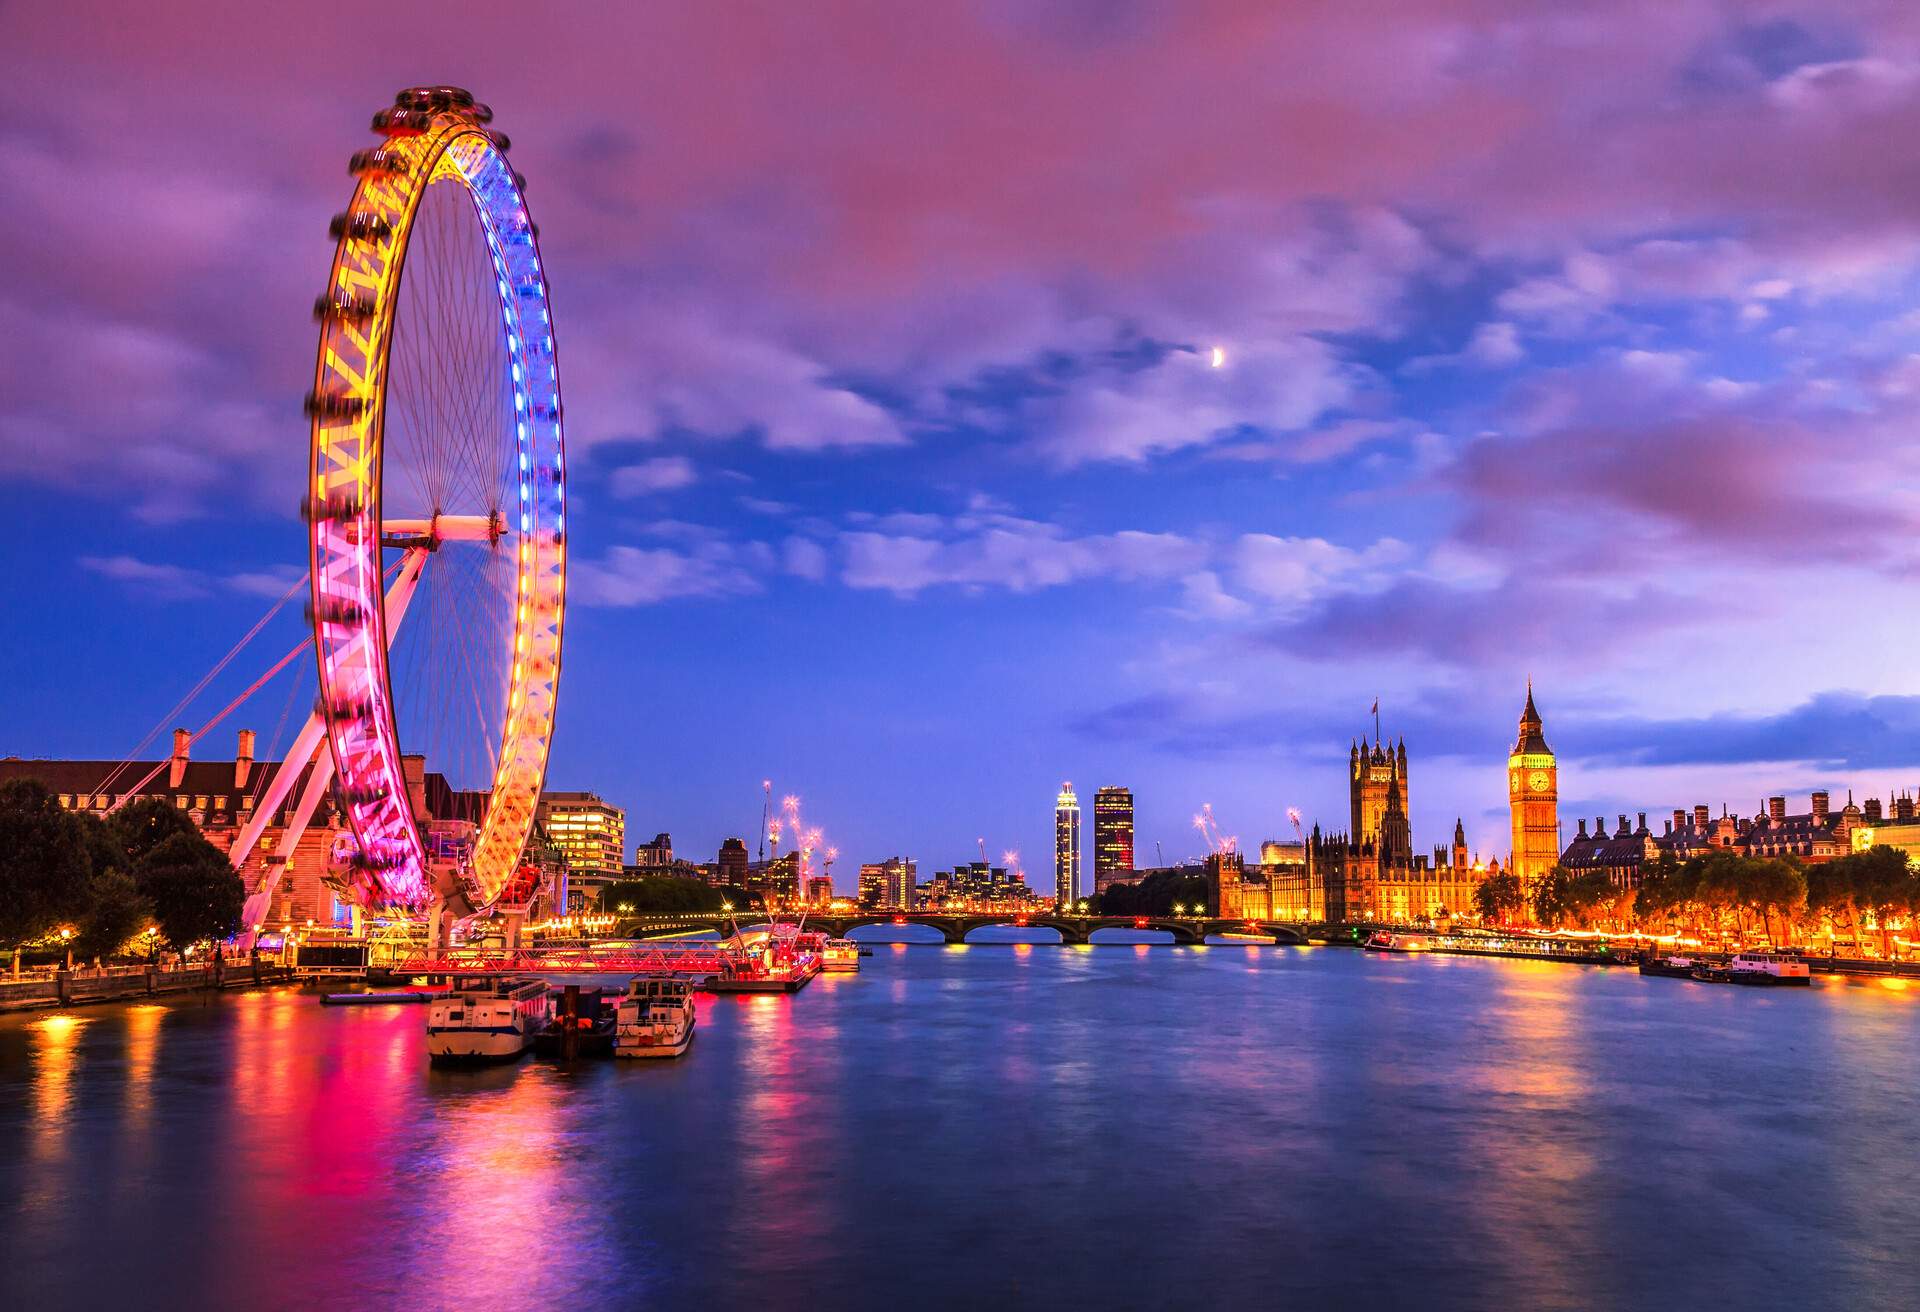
<point>1012,1126</point>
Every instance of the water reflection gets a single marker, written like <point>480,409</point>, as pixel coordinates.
<point>1438,1132</point>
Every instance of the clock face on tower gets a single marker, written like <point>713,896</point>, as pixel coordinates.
<point>1538,781</point>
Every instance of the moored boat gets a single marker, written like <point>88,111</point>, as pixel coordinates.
<point>1769,969</point>
<point>1672,966</point>
<point>482,1019</point>
<point>841,954</point>
<point>656,1018</point>
<point>1386,940</point>
<point>592,1024</point>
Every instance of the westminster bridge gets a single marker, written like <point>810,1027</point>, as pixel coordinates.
<point>955,926</point>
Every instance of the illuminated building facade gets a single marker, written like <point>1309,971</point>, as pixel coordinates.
<point>888,885</point>
<point>1286,889</point>
<point>731,865</point>
<point>1533,798</point>
<point>1226,884</point>
<point>592,833</point>
<point>978,886</point>
<point>1066,848</point>
<point>1372,874</point>
<point>819,890</point>
<point>1817,834</point>
<point>657,853</point>
<point>1112,838</point>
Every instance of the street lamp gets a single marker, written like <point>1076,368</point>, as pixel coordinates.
<point>66,937</point>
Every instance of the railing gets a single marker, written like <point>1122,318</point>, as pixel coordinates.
<point>602,959</point>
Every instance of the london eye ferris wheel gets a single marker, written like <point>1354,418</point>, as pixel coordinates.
<point>436,497</point>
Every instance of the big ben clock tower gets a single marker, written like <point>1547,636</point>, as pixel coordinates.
<point>1533,793</point>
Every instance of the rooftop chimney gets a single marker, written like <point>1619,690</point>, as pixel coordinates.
<point>1903,807</point>
<point>182,742</point>
<point>1599,826</point>
<point>1583,829</point>
<point>1623,826</point>
<point>1700,817</point>
<point>243,759</point>
<point>1777,810</point>
<point>1679,820</point>
<point>1668,827</point>
<point>1871,811</point>
<point>1641,828</point>
<point>1821,803</point>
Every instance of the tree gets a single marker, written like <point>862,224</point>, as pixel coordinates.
<point>1831,890</point>
<point>1885,885</point>
<point>1153,895</point>
<point>1498,898</point>
<point>43,863</point>
<point>141,826</point>
<point>665,895</point>
<point>1773,887</point>
<point>194,892</point>
<point>1565,898</point>
<point>113,910</point>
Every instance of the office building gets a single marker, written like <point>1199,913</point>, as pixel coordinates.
<point>1112,837</point>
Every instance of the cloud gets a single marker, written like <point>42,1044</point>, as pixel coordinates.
<point>1493,345</point>
<point>805,558</point>
<point>1000,551</point>
<point>1289,571</point>
<point>1672,468</point>
<point>660,474</point>
<point>1832,730</point>
<point>156,581</point>
<point>646,576</point>
<point>1466,626</point>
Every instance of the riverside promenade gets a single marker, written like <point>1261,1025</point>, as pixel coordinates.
<point>85,984</point>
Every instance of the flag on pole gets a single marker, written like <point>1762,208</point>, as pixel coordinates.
<point>1376,707</point>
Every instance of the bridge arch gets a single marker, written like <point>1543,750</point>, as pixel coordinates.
<point>1065,933</point>
<point>844,927</point>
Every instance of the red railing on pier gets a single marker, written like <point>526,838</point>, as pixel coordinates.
<point>693,959</point>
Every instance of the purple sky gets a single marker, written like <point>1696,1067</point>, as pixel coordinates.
<point>1579,341</point>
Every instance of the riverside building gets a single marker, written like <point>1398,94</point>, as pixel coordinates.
<point>593,834</point>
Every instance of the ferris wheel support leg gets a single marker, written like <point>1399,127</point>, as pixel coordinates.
<point>310,745</point>
<point>258,905</point>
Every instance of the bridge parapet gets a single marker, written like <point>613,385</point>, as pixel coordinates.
<point>956,926</point>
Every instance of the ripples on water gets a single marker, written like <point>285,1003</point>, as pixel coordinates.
<point>1122,1127</point>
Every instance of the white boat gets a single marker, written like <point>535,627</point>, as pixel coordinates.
<point>486,1019</point>
<point>1768,968</point>
<point>656,1018</point>
<point>841,954</point>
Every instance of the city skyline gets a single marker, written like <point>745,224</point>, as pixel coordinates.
<point>987,481</point>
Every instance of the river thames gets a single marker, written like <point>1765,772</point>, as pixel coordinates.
<point>1108,1126</point>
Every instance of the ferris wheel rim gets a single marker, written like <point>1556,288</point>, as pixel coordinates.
<point>434,136</point>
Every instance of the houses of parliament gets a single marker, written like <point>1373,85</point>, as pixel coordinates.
<point>1370,871</point>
